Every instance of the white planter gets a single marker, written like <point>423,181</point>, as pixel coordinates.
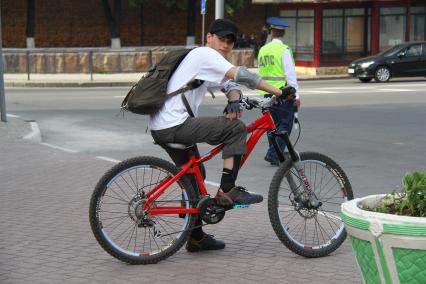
<point>388,248</point>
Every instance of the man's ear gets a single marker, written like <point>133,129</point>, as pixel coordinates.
<point>209,36</point>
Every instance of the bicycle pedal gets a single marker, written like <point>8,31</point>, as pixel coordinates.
<point>218,210</point>
<point>241,206</point>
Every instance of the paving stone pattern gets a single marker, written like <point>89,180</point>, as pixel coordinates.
<point>45,235</point>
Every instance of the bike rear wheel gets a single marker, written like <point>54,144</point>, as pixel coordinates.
<point>116,209</point>
<point>306,231</point>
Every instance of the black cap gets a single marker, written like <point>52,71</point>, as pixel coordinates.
<point>224,27</point>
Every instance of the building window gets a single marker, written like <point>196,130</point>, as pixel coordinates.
<point>300,34</point>
<point>345,34</point>
<point>418,23</point>
<point>392,27</point>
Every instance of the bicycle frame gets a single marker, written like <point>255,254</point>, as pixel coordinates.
<point>256,128</point>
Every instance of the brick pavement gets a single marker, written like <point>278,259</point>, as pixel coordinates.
<point>45,235</point>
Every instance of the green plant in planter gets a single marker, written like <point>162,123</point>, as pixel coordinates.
<point>390,248</point>
<point>411,202</point>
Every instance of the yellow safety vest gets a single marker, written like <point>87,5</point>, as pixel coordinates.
<point>270,65</point>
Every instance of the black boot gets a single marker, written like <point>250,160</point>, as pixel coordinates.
<point>207,242</point>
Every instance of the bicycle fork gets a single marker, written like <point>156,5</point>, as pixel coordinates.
<point>303,195</point>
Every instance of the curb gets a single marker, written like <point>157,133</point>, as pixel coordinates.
<point>20,128</point>
<point>76,84</point>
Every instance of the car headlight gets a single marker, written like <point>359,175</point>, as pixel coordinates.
<point>366,64</point>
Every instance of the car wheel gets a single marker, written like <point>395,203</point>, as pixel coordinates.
<point>365,80</point>
<point>382,74</point>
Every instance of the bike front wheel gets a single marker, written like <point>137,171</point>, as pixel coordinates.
<point>117,217</point>
<point>308,231</point>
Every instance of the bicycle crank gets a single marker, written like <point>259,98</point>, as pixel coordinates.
<point>210,211</point>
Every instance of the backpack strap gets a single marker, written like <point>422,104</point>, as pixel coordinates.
<point>188,108</point>
<point>190,86</point>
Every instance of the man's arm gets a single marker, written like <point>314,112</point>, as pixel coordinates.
<point>287,63</point>
<point>261,85</point>
<point>290,70</point>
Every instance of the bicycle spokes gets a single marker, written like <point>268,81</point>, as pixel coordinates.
<point>309,221</point>
<point>308,198</point>
<point>127,226</point>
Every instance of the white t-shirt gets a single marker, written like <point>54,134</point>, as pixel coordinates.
<point>203,63</point>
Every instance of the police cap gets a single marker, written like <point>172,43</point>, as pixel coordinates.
<point>277,23</point>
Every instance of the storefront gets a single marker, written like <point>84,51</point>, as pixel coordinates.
<point>333,33</point>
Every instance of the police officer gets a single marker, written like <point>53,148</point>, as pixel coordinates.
<point>276,66</point>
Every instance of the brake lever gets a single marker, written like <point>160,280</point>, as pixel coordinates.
<point>266,102</point>
<point>244,102</point>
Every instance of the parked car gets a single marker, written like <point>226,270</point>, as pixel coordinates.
<point>402,60</point>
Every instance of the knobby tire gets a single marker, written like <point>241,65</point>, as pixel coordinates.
<point>331,185</point>
<point>120,191</point>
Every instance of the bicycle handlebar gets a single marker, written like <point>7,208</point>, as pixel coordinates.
<point>260,102</point>
<point>257,102</point>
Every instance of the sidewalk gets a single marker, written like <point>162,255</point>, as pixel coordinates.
<point>45,235</point>
<point>102,80</point>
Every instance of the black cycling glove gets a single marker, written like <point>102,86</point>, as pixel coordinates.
<point>288,92</point>
<point>232,106</point>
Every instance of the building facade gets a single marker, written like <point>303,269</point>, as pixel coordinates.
<point>333,33</point>
<point>323,33</point>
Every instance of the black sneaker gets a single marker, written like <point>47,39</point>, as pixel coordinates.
<point>237,195</point>
<point>272,161</point>
<point>208,242</point>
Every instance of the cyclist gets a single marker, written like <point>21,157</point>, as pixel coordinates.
<point>276,66</point>
<point>174,124</point>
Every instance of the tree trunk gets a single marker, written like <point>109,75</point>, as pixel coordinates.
<point>113,20</point>
<point>30,30</point>
<point>142,25</point>
<point>190,22</point>
<point>117,19</point>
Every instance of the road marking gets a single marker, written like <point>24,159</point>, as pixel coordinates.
<point>212,183</point>
<point>395,90</point>
<point>108,159</point>
<point>360,90</point>
<point>318,91</point>
<point>59,148</point>
<point>347,88</point>
<point>408,85</point>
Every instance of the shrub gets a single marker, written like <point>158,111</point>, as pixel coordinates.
<point>411,202</point>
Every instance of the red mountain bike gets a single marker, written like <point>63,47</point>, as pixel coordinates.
<point>143,209</point>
